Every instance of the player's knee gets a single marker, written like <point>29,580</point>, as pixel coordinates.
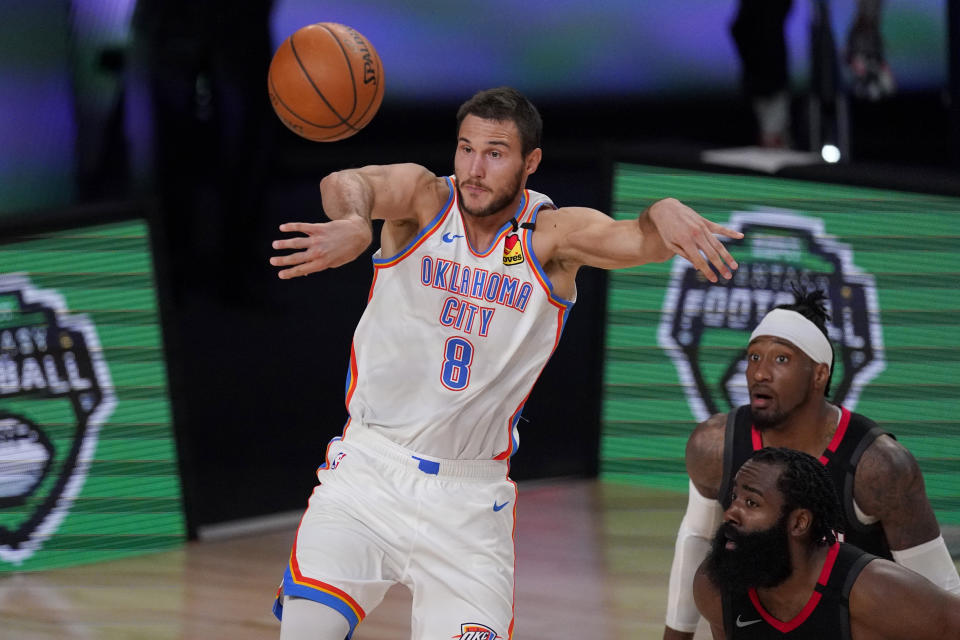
<point>305,619</point>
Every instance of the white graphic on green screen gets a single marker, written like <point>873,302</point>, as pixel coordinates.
<point>705,327</point>
<point>55,393</point>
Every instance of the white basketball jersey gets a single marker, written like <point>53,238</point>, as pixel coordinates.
<point>454,337</point>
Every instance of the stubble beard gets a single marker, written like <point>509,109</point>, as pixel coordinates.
<point>773,419</point>
<point>500,201</point>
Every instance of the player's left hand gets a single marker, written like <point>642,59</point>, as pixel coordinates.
<point>691,236</point>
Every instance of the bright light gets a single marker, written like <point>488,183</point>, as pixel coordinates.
<point>830,153</point>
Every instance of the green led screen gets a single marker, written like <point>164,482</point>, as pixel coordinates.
<point>675,343</point>
<point>88,466</point>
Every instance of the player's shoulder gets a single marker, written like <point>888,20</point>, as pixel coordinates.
<point>707,596</point>
<point>404,174</point>
<point>555,226</point>
<point>704,454</point>
<point>417,176</point>
<point>872,582</point>
<point>886,460</point>
<point>566,218</point>
<point>879,579</point>
<point>427,191</point>
<point>889,600</point>
<point>708,435</point>
<point>543,200</point>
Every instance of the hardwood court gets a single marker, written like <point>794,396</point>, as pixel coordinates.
<point>592,562</point>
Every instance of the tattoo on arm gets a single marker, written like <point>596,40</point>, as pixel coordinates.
<point>889,486</point>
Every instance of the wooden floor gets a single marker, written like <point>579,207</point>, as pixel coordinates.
<point>592,562</point>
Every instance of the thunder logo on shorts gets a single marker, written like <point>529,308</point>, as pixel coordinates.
<point>474,631</point>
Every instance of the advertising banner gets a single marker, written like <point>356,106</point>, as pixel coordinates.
<point>88,466</point>
<point>888,262</point>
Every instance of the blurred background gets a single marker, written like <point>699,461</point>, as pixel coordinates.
<point>143,175</point>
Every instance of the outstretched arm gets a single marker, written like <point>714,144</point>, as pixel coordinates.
<point>889,486</point>
<point>582,236</point>
<point>403,195</point>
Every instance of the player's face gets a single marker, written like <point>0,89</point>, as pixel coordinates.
<point>751,549</point>
<point>490,166</point>
<point>779,378</point>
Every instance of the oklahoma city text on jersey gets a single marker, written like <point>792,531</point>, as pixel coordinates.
<point>478,284</point>
<point>484,321</point>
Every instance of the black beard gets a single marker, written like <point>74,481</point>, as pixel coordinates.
<point>769,421</point>
<point>760,559</point>
<point>497,205</point>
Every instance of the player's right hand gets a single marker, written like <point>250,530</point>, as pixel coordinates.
<point>323,245</point>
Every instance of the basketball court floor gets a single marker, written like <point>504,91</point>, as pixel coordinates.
<point>592,562</point>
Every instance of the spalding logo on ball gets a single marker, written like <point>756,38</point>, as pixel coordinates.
<point>326,82</point>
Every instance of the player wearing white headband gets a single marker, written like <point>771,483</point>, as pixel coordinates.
<point>885,505</point>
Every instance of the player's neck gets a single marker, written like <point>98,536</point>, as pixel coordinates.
<point>809,429</point>
<point>786,600</point>
<point>481,230</point>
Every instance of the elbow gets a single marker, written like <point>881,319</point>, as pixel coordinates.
<point>327,188</point>
<point>345,180</point>
<point>344,192</point>
<point>330,190</point>
<point>665,202</point>
<point>332,182</point>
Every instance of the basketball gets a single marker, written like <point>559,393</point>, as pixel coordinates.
<point>325,82</point>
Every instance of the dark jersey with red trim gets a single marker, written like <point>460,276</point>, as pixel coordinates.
<point>826,615</point>
<point>854,434</point>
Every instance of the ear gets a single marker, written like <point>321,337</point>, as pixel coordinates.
<point>532,161</point>
<point>799,523</point>
<point>821,373</point>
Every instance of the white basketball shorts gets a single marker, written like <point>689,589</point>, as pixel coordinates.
<point>382,514</point>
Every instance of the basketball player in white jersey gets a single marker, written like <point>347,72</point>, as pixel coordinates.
<point>472,285</point>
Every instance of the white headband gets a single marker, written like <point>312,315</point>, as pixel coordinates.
<point>792,326</point>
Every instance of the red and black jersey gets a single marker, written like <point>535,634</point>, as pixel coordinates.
<point>853,435</point>
<point>826,615</point>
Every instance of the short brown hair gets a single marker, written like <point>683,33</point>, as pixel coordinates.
<point>506,104</point>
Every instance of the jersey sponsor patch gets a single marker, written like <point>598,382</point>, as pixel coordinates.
<point>780,249</point>
<point>474,631</point>
<point>512,250</point>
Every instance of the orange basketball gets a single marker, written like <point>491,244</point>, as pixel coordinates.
<point>325,82</point>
